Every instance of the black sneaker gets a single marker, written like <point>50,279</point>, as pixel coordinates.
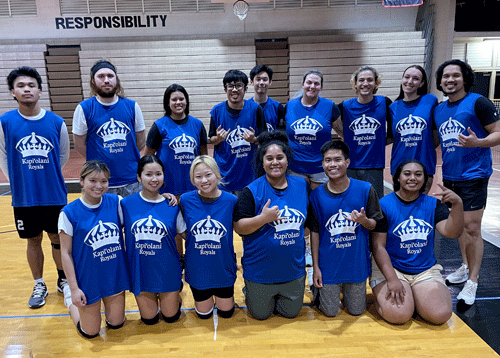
<point>61,284</point>
<point>37,298</point>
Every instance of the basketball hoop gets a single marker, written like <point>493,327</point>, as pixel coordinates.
<point>240,8</point>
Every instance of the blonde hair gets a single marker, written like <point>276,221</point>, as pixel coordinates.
<point>354,77</point>
<point>209,162</point>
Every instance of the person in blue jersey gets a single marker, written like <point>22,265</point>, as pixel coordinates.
<point>261,78</point>
<point>210,257</point>
<point>411,123</point>
<point>363,128</point>
<point>177,138</point>
<point>308,122</point>
<point>342,213</point>
<point>269,216</point>
<point>234,127</point>
<point>110,128</point>
<point>405,275</point>
<point>34,146</point>
<point>150,225</point>
<point>93,253</point>
<point>468,127</point>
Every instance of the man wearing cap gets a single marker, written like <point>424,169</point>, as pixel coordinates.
<point>110,128</point>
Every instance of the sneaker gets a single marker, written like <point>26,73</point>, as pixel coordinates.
<point>459,276</point>
<point>61,284</point>
<point>309,259</point>
<point>310,281</point>
<point>67,296</point>
<point>37,298</point>
<point>468,293</point>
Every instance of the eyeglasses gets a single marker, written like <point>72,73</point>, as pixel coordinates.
<point>236,86</point>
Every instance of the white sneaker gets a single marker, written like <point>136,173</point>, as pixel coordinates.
<point>468,293</point>
<point>67,296</point>
<point>310,272</point>
<point>459,276</point>
<point>308,255</point>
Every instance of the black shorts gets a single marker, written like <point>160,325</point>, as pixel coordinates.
<point>473,192</point>
<point>33,220</point>
<point>220,292</point>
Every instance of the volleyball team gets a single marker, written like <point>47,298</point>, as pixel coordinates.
<point>279,181</point>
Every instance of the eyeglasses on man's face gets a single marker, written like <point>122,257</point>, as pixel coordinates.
<point>237,86</point>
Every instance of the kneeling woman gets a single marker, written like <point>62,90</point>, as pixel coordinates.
<point>150,227</point>
<point>92,253</point>
<point>270,215</point>
<point>409,278</point>
<point>210,259</point>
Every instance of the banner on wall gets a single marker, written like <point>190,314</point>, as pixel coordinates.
<point>400,3</point>
<point>109,22</point>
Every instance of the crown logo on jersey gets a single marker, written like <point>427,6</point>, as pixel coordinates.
<point>306,125</point>
<point>450,129</point>
<point>208,230</point>
<point>183,144</point>
<point>339,224</point>
<point>269,127</point>
<point>103,234</point>
<point>411,125</point>
<point>413,229</point>
<point>34,145</point>
<point>113,130</point>
<point>235,137</point>
<point>149,229</point>
<point>292,220</point>
<point>364,125</point>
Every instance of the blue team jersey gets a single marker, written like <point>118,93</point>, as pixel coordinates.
<point>460,163</point>
<point>365,132</point>
<point>33,159</point>
<point>152,256</point>
<point>180,145</point>
<point>111,138</point>
<point>270,112</point>
<point>410,239</point>
<point>308,128</point>
<point>210,258</point>
<point>98,252</point>
<point>344,246</point>
<point>234,155</point>
<point>275,252</point>
<point>412,131</point>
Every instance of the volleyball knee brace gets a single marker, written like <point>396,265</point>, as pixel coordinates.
<point>89,336</point>
<point>118,326</point>
<point>225,314</point>
<point>151,321</point>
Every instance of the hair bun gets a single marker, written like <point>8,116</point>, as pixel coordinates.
<point>275,135</point>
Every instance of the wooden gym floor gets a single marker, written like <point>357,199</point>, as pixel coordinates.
<point>49,331</point>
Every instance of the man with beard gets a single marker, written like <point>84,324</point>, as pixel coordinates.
<point>468,127</point>
<point>261,78</point>
<point>110,128</point>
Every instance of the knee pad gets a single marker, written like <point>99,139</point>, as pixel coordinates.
<point>151,321</point>
<point>174,318</point>
<point>225,314</point>
<point>56,246</point>
<point>118,326</point>
<point>205,315</point>
<point>79,328</point>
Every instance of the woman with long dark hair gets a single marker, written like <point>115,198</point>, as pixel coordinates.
<point>270,216</point>
<point>412,123</point>
<point>406,276</point>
